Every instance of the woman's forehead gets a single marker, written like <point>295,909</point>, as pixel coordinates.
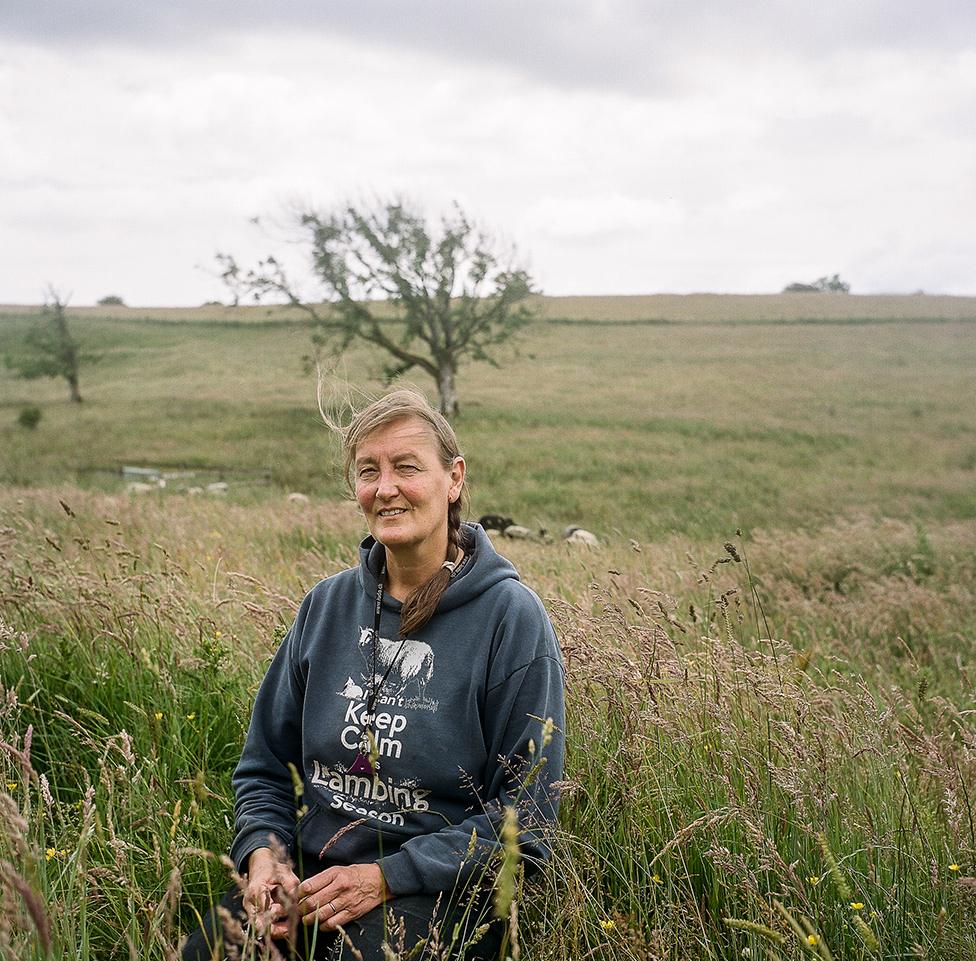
<point>404,435</point>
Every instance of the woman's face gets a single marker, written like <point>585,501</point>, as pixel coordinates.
<point>403,489</point>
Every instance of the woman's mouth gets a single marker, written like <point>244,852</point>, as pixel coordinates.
<point>392,511</point>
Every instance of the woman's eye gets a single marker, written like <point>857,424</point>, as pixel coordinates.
<point>366,472</point>
<point>409,468</point>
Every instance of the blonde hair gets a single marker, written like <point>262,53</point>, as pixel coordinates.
<point>419,607</point>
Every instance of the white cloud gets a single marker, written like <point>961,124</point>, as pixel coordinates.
<point>590,217</point>
<point>125,167</point>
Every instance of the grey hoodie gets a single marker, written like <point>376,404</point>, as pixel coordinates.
<point>459,725</point>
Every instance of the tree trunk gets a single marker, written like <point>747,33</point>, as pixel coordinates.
<point>73,386</point>
<point>67,348</point>
<point>448,392</point>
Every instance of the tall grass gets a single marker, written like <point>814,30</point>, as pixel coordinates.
<point>732,733</point>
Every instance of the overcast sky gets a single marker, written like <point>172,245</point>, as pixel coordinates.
<point>623,146</point>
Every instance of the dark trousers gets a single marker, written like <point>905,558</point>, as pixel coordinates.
<point>447,931</point>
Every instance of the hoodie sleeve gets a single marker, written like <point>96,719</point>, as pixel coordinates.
<point>525,760</point>
<point>265,802</point>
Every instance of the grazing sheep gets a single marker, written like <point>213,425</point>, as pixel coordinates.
<point>580,537</point>
<point>295,498</point>
<point>518,532</point>
<point>407,661</point>
<point>137,487</point>
<point>495,522</point>
<point>218,487</point>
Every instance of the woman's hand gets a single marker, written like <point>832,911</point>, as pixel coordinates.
<point>341,894</point>
<point>271,894</point>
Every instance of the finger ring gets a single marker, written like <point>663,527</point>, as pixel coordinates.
<point>331,905</point>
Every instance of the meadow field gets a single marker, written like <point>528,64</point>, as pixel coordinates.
<point>771,704</point>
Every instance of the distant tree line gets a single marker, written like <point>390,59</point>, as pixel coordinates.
<point>822,285</point>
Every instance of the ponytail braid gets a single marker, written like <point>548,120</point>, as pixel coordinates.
<point>455,536</point>
<point>419,607</point>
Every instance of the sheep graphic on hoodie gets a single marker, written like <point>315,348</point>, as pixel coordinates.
<point>468,706</point>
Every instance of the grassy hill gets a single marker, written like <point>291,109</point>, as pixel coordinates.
<point>631,430</point>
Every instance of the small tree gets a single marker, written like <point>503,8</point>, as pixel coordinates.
<point>429,296</point>
<point>49,348</point>
<point>112,300</point>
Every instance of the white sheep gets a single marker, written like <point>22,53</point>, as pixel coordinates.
<point>581,538</point>
<point>137,487</point>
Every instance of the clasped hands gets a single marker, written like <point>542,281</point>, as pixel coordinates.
<point>274,896</point>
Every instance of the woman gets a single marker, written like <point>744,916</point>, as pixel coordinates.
<point>400,717</point>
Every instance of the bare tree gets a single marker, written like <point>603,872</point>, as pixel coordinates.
<point>50,350</point>
<point>430,296</point>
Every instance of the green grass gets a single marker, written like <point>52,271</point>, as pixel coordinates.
<point>694,428</point>
<point>712,735</point>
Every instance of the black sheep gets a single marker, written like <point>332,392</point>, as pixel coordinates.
<point>495,522</point>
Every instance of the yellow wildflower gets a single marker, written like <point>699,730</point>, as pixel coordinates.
<point>608,925</point>
<point>50,853</point>
<point>158,715</point>
<point>813,878</point>
<point>857,905</point>
<point>218,635</point>
<point>953,867</point>
<point>191,715</point>
<point>12,785</point>
<point>657,879</point>
<point>813,940</point>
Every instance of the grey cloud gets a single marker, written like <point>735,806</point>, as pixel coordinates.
<point>624,44</point>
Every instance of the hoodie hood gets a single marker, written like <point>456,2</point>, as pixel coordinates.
<point>482,569</point>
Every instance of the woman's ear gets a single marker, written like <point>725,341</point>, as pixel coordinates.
<point>458,469</point>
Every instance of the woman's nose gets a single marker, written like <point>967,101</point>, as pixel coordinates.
<point>386,486</point>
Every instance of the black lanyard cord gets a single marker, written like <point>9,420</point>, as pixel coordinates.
<point>375,688</point>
